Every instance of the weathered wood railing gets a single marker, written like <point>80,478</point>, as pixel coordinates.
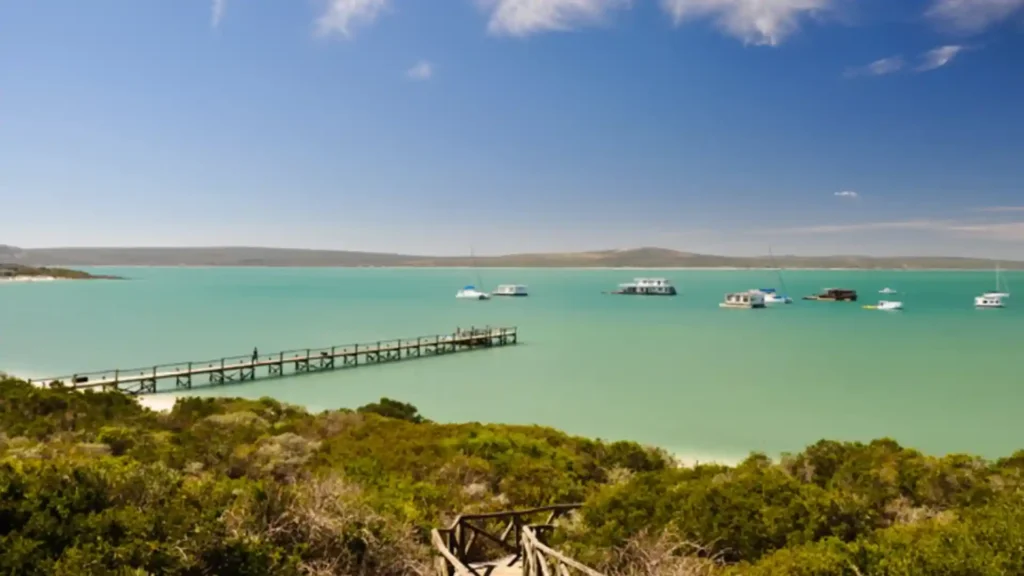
<point>502,543</point>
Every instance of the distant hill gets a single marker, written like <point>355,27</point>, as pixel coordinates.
<point>634,258</point>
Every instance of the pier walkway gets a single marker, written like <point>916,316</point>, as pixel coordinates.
<point>510,543</point>
<point>235,369</point>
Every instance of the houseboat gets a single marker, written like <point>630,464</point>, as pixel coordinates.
<point>647,287</point>
<point>835,295</point>
<point>471,293</point>
<point>510,290</point>
<point>748,299</point>
<point>988,301</point>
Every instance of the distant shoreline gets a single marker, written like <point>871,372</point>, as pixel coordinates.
<point>649,258</point>
<point>589,268</point>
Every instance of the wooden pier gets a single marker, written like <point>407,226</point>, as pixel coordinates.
<point>236,369</point>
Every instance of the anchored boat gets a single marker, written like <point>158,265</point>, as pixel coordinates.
<point>743,300</point>
<point>647,287</point>
<point>988,301</point>
<point>510,290</point>
<point>885,305</point>
<point>471,293</point>
<point>834,295</point>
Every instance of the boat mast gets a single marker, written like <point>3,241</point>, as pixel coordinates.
<point>778,271</point>
<point>472,262</point>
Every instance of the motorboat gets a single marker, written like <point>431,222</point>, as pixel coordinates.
<point>988,301</point>
<point>886,290</point>
<point>471,293</point>
<point>835,295</point>
<point>885,305</point>
<point>510,290</point>
<point>647,287</point>
<point>748,299</point>
<point>773,297</point>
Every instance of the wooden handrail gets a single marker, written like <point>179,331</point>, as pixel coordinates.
<point>508,513</point>
<point>532,542</point>
<point>439,543</point>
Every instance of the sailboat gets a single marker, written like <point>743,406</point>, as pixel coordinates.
<point>1002,288</point>
<point>470,292</point>
<point>770,294</point>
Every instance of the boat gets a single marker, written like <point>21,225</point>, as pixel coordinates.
<point>647,287</point>
<point>885,305</point>
<point>886,290</point>
<point>834,295</point>
<point>510,290</point>
<point>471,293</point>
<point>771,296</point>
<point>988,301</point>
<point>1002,290</point>
<point>748,299</point>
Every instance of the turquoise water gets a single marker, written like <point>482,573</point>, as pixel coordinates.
<point>676,372</point>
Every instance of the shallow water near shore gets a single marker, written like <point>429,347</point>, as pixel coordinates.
<point>676,372</point>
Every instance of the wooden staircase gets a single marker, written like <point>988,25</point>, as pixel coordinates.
<point>512,543</point>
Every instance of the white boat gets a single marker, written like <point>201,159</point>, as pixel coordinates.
<point>988,301</point>
<point>471,293</point>
<point>887,290</point>
<point>510,290</point>
<point>771,296</point>
<point>1002,288</point>
<point>647,287</point>
<point>885,305</point>
<point>748,299</point>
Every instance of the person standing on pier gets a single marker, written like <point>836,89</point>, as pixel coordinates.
<point>255,355</point>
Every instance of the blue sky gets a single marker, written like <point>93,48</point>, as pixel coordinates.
<point>721,126</point>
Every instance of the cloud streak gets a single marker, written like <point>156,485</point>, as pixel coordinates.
<point>423,70</point>
<point>343,16</point>
<point>879,67</point>
<point>759,22</point>
<point>526,17</point>
<point>847,194</point>
<point>972,16</point>
<point>1004,231</point>
<point>999,209</point>
<point>217,8</point>
<point>938,57</point>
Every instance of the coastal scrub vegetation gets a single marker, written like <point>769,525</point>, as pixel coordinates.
<point>93,483</point>
<point>20,271</point>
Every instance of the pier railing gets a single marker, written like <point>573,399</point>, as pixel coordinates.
<point>241,368</point>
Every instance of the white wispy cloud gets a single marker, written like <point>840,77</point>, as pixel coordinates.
<point>525,17</point>
<point>762,22</point>
<point>423,70</point>
<point>938,57</point>
<point>879,67</point>
<point>217,8</point>
<point>972,16</point>
<point>343,16</point>
<point>847,194</point>
<point>862,226</point>
<point>1006,231</point>
<point>999,209</point>
<point>1003,231</point>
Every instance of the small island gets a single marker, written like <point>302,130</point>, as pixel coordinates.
<point>20,273</point>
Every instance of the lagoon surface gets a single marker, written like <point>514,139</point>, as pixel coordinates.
<point>675,372</point>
